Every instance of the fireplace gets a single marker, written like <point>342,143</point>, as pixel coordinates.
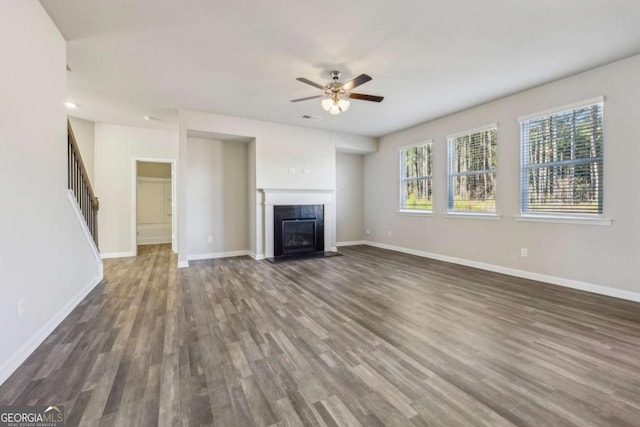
<point>298,229</point>
<point>310,204</point>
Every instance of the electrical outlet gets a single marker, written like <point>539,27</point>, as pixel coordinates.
<point>389,233</point>
<point>20,308</point>
<point>368,231</point>
<point>524,252</point>
<point>210,239</point>
<point>292,170</point>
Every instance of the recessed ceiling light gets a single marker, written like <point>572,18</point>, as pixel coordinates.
<point>70,104</point>
<point>147,118</point>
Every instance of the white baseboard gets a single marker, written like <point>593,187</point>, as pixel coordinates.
<point>215,255</point>
<point>183,264</point>
<point>117,255</point>
<point>351,243</point>
<point>257,257</point>
<point>20,355</point>
<point>567,283</point>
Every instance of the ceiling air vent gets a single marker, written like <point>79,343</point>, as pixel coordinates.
<point>308,117</point>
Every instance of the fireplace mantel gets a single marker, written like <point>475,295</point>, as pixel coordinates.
<point>280,196</point>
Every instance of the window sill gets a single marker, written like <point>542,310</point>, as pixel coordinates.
<point>473,215</point>
<point>415,212</point>
<point>564,219</point>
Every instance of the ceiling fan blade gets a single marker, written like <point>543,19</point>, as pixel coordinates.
<point>304,99</point>
<point>363,97</point>
<point>361,79</point>
<point>309,82</point>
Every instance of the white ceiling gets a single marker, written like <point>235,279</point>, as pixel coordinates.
<point>427,58</point>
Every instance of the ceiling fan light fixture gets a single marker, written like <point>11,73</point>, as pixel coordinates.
<point>335,109</point>
<point>335,104</point>
<point>344,104</point>
<point>327,103</point>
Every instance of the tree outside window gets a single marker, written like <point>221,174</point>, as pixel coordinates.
<point>472,171</point>
<point>416,187</point>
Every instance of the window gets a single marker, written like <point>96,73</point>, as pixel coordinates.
<point>472,171</point>
<point>562,161</point>
<point>416,188</point>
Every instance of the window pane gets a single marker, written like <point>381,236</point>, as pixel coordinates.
<point>417,194</point>
<point>567,136</point>
<point>476,152</point>
<point>472,177</point>
<point>474,192</point>
<point>566,189</point>
<point>415,179</point>
<point>418,162</point>
<point>571,144</point>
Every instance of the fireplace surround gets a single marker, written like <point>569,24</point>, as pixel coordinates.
<point>272,197</point>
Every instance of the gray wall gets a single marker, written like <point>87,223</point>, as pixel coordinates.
<point>253,201</point>
<point>349,197</point>
<point>116,147</point>
<point>590,254</point>
<point>45,260</point>
<point>217,196</point>
<point>278,149</point>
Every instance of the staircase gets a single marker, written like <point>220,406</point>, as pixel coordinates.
<point>80,186</point>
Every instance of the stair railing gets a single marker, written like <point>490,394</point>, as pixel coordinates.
<point>81,186</point>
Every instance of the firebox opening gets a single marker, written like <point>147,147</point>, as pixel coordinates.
<point>298,235</point>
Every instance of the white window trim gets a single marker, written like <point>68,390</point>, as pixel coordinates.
<point>475,214</point>
<point>564,219</point>
<point>593,219</point>
<point>415,212</point>
<point>402,211</point>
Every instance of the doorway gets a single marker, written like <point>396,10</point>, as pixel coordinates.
<point>154,202</point>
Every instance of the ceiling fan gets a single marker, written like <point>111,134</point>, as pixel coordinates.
<point>336,95</point>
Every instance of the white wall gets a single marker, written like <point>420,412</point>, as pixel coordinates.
<point>217,197</point>
<point>279,148</point>
<point>45,260</point>
<point>599,255</point>
<point>84,131</point>
<point>116,147</point>
<point>349,197</point>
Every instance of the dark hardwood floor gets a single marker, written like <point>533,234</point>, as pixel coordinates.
<point>370,338</point>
